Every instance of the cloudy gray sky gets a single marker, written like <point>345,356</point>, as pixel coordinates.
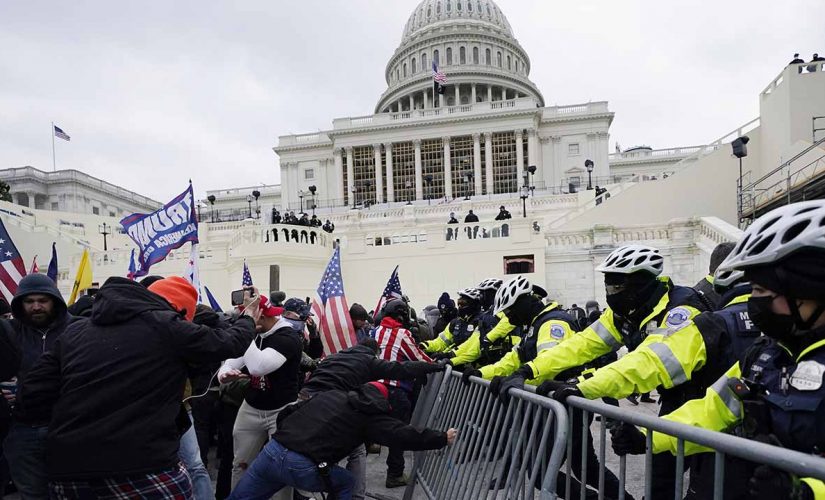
<point>156,92</point>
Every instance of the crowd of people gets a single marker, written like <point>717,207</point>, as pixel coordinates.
<point>123,397</point>
<point>302,219</point>
<point>503,214</point>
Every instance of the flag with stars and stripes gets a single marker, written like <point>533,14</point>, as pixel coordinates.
<point>58,132</point>
<point>331,309</point>
<point>391,291</point>
<point>247,278</point>
<point>439,80</point>
<point>12,267</point>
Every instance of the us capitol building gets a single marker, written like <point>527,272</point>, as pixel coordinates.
<point>390,179</point>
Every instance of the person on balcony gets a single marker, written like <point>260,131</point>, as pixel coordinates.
<point>503,214</point>
<point>329,227</point>
<point>452,220</point>
<point>471,217</point>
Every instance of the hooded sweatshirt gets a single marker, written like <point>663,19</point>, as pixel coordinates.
<point>329,426</point>
<point>112,384</point>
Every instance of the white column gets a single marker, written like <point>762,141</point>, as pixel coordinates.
<point>390,184</point>
<point>294,183</point>
<point>488,160</point>
<point>350,175</point>
<point>379,179</point>
<point>558,166</point>
<point>440,100</point>
<point>533,154</point>
<point>339,174</point>
<point>426,99</point>
<point>419,179</point>
<point>473,94</point>
<point>412,102</point>
<point>448,169</point>
<point>457,95</point>
<point>520,154</point>
<point>477,163</point>
<point>489,92</point>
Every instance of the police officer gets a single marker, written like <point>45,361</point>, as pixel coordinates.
<point>459,329</point>
<point>640,302</point>
<point>774,393</point>
<point>681,361</point>
<point>495,334</point>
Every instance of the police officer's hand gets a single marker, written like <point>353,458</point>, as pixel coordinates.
<point>515,380</point>
<point>774,484</point>
<point>549,386</point>
<point>495,385</point>
<point>627,440</point>
<point>442,355</point>
<point>469,372</point>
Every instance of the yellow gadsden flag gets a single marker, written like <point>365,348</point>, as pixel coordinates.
<point>83,280</point>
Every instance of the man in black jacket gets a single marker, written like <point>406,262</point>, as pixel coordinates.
<point>40,318</point>
<point>315,434</point>
<point>112,386</point>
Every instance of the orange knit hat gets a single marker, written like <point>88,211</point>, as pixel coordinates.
<point>179,293</point>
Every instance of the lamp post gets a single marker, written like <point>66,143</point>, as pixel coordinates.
<point>312,190</point>
<point>468,184</point>
<point>429,180</point>
<point>105,230</point>
<point>257,194</point>
<point>301,196</point>
<point>532,171</point>
<point>407,187</point>
<point>354,195</point>
<point>525,190</point>
<point>589,166</point>
<point>740,150</point>
<point>211,199</point>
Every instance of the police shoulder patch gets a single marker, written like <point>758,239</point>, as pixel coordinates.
<point>677,316</point>
<point>470,328</point>
<point>557,332</point>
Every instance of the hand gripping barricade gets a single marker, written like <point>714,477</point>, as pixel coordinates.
<point>519,445</point>
<point>498,442</point>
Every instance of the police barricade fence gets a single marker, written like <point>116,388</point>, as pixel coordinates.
<point>532,436</point>
<point>519,445</point>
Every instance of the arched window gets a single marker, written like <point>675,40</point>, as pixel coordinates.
<point>509,63</point>
<point>413,67</point>
<point>429,12</point>
<point>405,70</point>
<point>424,61</point>
<point>487,59</point>
<point>498,59</point>
<point>490,14</point>
<point>517,66</point>
<point>462,55</point>
<point>469,6</point>
<point>438,8</point>
<point>475,55</point>
<point>396,75</point>
<point>449,54</point>
<point>436,57</point>
<point>458,5</point>
<point>478,3</point>
<point>449,5</point>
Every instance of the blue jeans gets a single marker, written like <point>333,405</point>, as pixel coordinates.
<point>189,453</point>
<point>25,449</point>
<point>277,467</point>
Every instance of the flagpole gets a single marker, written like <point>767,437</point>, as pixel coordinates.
<point>54,162</point>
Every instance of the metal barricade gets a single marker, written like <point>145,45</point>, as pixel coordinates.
<point>518,446</point>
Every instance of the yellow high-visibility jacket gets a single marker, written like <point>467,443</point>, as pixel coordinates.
<point>470,350</point>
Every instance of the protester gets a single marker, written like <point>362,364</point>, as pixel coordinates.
<point>705,285</point>
<point>40,319</point>
<point>276,216</point>
<point>447,312</point>
<point>272,362</point>
<point>471,217</point>
<point>452,220</point>
<point>316,434</point>
<point>328,226</point>
<point>360,321</point>
<point>111,388</point>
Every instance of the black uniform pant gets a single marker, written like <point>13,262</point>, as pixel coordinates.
<point>226,421</point>
<point>401,408</point>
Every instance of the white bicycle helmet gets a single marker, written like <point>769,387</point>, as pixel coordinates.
<point>471,293</point>
<point>490,284</point>
<point>778,234</point>
<point>629,259</point>
<point>726,278</point>
<point>510,292</point>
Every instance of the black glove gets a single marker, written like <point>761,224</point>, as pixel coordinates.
<point>418,368</point>
<point>774,484</point>
<point>515,380</point>
<point>627,440</point>
<point>562,393</point>
<point>495,384</point>
<point>469,372</point>
<point>442,355</point>
<point>549,386</point>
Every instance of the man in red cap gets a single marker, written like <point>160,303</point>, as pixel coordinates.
<point>317,433</point>
<point>111,388</point>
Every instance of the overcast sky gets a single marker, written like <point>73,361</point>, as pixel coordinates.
<point>155,92</point>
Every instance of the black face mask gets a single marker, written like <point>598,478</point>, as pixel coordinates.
<point>468,311</point>
<point>777,326</point>
<point>519,313</point>
<point>622,302</point>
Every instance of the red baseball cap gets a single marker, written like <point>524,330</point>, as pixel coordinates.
<point>381,388</point>
<point>267,309</point>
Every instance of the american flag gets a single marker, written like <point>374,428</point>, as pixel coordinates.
<point>58,132</point>
<point>34,269</point>
<point>247,278</point>
<point>12,267</point>
<point>132,266</point>
<point>438,76</point>
<point>192,274</point>
<point>331,309</point>
<point>391,291</point>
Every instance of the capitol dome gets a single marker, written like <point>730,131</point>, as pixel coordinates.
<point>475,48</point>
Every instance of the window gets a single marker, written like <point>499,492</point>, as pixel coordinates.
<point>397,75</point>
<point>573,149</point>
<point>429,12</point>
<point>54,205</point>
<point>498,59</point>
<point>438,8</point>
<point>449,54</point>
<point>458,5</point>
<point>405,70</point>
<point>475,55</point>
<point>424,61</point>
<point>509,64</point>
<point>412,66</point>
<point>487,58</point>
<point>112,214</point>
<point>519,264</point>
<point>309,174</point>
<point>96,210</point>
<point>436,57</point>
<point>449,5</point>
<point>462,56</point>
<point>516,65</point>
<point>469,6</point>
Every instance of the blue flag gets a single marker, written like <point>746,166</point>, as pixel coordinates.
<point>52,272</point>
<point>162,231</point>
<point>132,267</point>
<point>212,302</point>
<point>246,280</point>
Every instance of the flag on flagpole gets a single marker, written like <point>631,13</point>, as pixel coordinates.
<point>439,80</point>
<point>391,291</point>
<point>34,269</point>
<point>247,278</point>
<point>132,274</point>
<point>12,267</point>
<point>52,271</point>
<point>58,132</point>
<point>212,302</point>
<point>83,280</point>
<point>192,273</point>
<point>331,309</point>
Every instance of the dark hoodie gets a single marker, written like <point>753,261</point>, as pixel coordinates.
<point>113,383</point>
<point>33,341</point>
<point>329,426</point>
